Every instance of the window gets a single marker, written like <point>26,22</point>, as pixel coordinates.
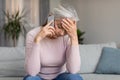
<point>30,6</point>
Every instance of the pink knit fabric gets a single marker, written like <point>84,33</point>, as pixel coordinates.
<point>51,56</point>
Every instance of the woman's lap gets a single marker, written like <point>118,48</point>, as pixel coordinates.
<point>68,76</point>
<point>62,76</point>
<point>32,78</point>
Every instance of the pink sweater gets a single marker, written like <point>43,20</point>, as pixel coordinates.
<point>51,56</point>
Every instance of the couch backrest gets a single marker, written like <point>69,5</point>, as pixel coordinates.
<point>90,55</point>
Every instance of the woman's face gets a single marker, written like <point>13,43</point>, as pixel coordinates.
<point>58,28</point>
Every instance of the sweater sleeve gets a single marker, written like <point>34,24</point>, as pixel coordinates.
<point>32,58</point>
<point>73,61</point>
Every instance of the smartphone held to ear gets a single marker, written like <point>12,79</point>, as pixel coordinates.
<point>51,18</point>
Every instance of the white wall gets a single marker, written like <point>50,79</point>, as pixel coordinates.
<point>100,19</point>
<point>53,4</point>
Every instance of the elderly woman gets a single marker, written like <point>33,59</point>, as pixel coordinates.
<point>52,53</point>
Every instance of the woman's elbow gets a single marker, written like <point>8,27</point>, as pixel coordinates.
<point>32,73</point>
<point>74,69</point>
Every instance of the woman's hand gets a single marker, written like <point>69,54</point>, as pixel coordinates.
<point>46,31</point>
<point>71,29</point>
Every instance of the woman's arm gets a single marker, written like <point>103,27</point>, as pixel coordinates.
<point>72,52</point>
<point>73,61</point>
<point>32,59</point>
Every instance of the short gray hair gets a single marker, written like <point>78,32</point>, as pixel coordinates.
<point>68,12</point>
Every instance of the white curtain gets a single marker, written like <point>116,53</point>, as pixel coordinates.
<point>13,5</point>
<point>31,8</point>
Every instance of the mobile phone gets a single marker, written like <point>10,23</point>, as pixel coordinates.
<point>50,18</point>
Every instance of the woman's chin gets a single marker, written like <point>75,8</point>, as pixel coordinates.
<point>53,37</point>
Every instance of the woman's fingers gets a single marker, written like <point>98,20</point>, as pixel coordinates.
<point>50,27</point>
<point>66,27</point>
<point>69,21</point>
<point>49,23</point>
<point>66,22</point>
<point>52,30</point>
<point>49,33</point>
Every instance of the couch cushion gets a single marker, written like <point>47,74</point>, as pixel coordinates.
<point>109,62</point>
<point>85,77</point>
<point>11,78</point>
<point>12,61</point>
<point>90,55</point>
<point>12,53</point>
<point>14,68</point>
<point>100,77</point>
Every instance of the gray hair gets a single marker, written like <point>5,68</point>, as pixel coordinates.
<point>68,12</point>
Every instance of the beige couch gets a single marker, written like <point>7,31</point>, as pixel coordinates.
<point>12,62</point>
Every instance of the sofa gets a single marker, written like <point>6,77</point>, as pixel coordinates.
<point>12,62</point>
